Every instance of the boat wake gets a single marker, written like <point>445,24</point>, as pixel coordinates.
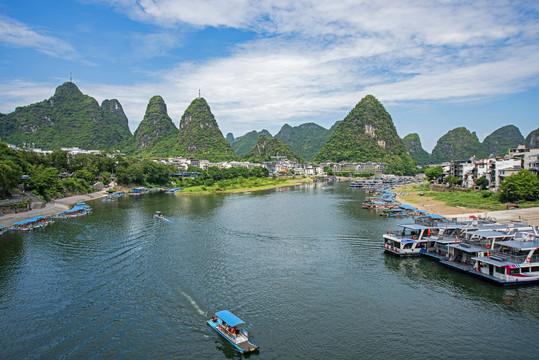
<point>195,305</point>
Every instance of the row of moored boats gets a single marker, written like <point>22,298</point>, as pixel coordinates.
<point>36,222</point>
<point>506,254</point>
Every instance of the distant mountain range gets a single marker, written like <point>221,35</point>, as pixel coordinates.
<point>70,118</point>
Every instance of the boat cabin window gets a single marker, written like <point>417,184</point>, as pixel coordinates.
<point>514,271</point>
<point>535,268</point>
<point>407,246</point>
<point>500,270</point>
<point>525,270</point>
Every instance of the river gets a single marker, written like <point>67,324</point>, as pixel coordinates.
<point>303,266</point>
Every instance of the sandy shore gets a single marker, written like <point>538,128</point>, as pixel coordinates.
<point>51,208</point>
<point>528,216</point>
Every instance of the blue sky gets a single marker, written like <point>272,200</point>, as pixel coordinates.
<point>434,65</point>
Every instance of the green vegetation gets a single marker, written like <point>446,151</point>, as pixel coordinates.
<point>456,197</point>
<point>199,135</point>
<point>238,184</point>
<point>155,127</point>
<point>415,150</point>
<point>482,182</point>
<point>466,198</point>
<point>243,144</point>
<point>79,172</point>
<point>265,148</point>
<point>451,180</point>
<point>69,118</point>
<point>367,133</point>
<point>306,140</point>
<point>216,179</point>
<point>458,144</point>
<point>503,139</point>
<point>522,186</point>
<point>434,173</point>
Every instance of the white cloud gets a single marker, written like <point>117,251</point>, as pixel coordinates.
<point>314,60</point>
<point>16,34</point>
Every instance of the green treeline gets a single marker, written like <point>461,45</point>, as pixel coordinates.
<point>60,174</point>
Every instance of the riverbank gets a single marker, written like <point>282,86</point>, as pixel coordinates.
<point>528,216</point>
<point>51,208</point>
<point>238,188</point>
<point>59,205</point>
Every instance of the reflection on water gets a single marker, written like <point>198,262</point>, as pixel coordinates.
<point>303,266</point>
<point>429,273</point>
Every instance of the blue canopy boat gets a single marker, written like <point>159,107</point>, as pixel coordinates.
<point>227,325</point>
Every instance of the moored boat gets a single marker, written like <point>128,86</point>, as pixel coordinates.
<point>228,326</point>
<point>413,239</point>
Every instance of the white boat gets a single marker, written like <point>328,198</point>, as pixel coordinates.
<point>497,257</point>
<point>413,239</point>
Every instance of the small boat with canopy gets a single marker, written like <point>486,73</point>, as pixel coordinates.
<point>228,326</point>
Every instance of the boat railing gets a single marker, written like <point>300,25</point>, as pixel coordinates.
<point>517,259</point>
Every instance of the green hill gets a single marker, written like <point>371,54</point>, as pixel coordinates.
<point>243,144</point>
<point>267,147</point>
<point>415,150</point>
<point>532,140</point>
<point>306,139</point>
<point>155,129</point>
<point>67,119</point>
<point>458,144</point>
<point>503,139</point>
<point>199,135</point>
<point>367,133</point>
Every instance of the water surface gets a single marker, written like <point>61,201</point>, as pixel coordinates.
<point>303,266</point>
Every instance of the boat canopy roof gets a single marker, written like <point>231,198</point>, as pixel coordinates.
<point>468,248</point>
<point>407,207</point>
<point>229,318</point>
<point>30,220</point>
<point>415,227</point>
<point>520,245</point>
<point>489,234</point>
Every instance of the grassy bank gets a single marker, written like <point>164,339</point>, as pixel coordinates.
<point>239,185</point>
<point>458,197</point>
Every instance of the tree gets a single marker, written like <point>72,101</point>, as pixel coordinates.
<point>44,180</point>
<point>451,180</point>
<point>10,174</point>
<point>434,173</point>
<point>482,182</point>
<point>520,186</point>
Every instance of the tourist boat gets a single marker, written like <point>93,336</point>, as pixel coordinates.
<point>31,223</point>
<point>513,262</point>
<point>496,256</point>
<point>228,326</point>
<point>80,209</point>
<point>173,190</point>
<point>413,239</point>
<point>139,191</point>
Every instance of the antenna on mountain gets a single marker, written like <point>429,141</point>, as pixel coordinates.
<point>199,93</point>
<point>70,77</point>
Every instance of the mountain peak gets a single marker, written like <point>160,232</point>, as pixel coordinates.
<point>156,125</point>
<point>199,134</point>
